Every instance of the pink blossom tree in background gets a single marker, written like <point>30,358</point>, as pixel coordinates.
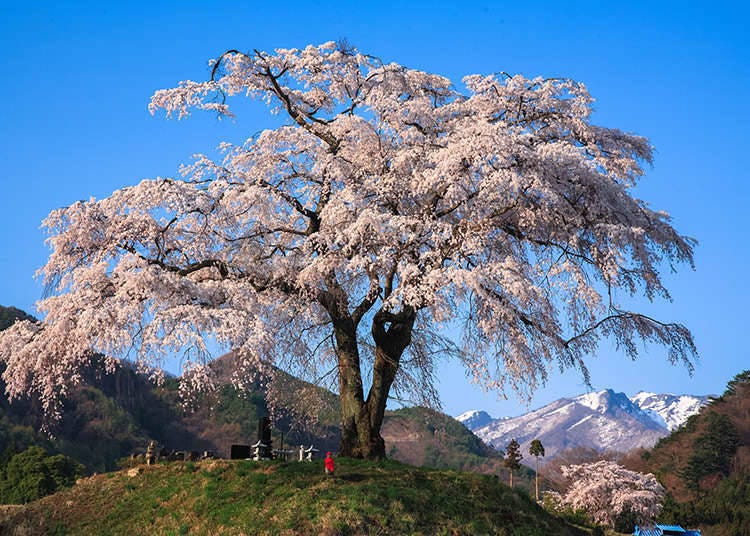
<point>390,206</point>
<point>605,490</point>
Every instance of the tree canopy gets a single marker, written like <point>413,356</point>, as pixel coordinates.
<point>713,450</point>
<point>536,449</point>
<point>390,205</point>
<point>32,474</point>
<point>606,490</point>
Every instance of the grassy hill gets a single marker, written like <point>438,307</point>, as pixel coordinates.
<point>243,497</point>
<point>705,465</point>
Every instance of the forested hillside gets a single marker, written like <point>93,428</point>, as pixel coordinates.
<point>705,464</point>
<point>110,416</point>
<point>424,437</point>
<point>8,315</point>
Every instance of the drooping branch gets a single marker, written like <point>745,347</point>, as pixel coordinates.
<point>625,324</point>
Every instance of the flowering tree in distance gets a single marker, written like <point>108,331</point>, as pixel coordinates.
<point>605,490</point>
<point>389,205</point>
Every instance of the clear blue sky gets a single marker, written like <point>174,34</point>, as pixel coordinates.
<point>77,79</point>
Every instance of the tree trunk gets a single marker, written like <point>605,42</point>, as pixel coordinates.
<point>511,478</point>
<point>362,419</point>
<point>392,335</point>
<point>354,436</point>
<point>536,479</point>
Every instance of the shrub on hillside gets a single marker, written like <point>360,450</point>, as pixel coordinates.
<point>33,474</point>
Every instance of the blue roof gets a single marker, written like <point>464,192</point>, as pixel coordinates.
<point>659,530</point>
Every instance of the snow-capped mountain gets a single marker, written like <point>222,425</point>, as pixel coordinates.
<point>475,419</point>
<point>669,410</point>
<point>604,420</point>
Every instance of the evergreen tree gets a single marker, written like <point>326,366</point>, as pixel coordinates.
<point>712,451</point>
<point>513,458</point>
<point>536,449</point>
<point>741,378</point>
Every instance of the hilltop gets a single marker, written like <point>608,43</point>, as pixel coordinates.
<point>243,497</point>
<point>8,315</point>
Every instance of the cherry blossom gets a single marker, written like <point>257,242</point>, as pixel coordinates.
<point>605,490</point>
<point>391,208</point>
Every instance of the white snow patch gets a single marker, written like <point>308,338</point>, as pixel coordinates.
<point>465,416</point>
<point>586,418</point>
<point>592,400</point>
<point>668,410</point>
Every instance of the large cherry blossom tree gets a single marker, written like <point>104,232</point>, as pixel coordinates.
<point>391,206</point>
<point>605,490</point>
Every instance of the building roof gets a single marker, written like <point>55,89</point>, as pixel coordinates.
<point>664,530</point>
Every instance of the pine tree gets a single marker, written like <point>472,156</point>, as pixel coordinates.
<point>513,458</point>
<point>713,450</point>
<point>536,449</point>
<point>739,379</point>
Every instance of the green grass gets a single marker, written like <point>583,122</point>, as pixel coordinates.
<point>242,497</point>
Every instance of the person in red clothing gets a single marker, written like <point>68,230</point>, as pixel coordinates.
<point>329,464</point>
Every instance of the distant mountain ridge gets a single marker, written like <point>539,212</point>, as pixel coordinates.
<point>604,420</point>
<point>671,411</point>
